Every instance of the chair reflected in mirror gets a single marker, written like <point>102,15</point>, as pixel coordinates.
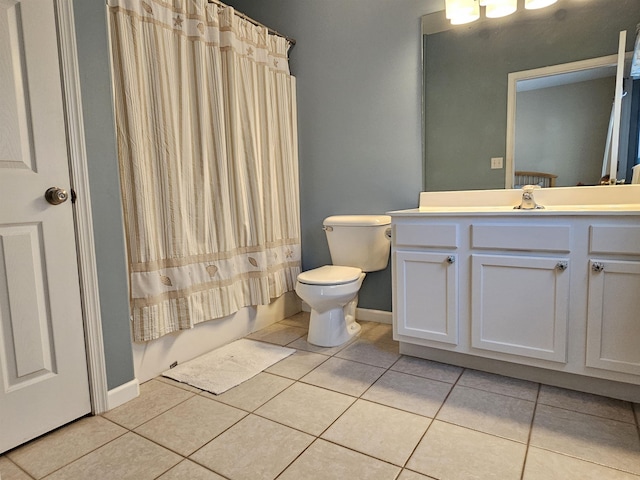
<point>542,179</point>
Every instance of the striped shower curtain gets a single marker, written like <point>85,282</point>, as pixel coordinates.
<point>207,144</point>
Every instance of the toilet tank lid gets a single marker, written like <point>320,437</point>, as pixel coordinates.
<point>357,220</point>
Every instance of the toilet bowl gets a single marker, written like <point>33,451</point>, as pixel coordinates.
<point>331,292</point>
<point>357,244</point>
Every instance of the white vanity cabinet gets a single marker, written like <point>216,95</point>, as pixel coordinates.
<point>613,312</point>
<point>520,291</point>
<point>426,273</point>
<point>541,292</point>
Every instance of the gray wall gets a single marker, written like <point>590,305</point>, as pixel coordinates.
<point>358,67</point>
<point>466,79</point>
<point>95,78</point>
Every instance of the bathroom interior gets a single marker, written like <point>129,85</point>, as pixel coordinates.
<point>408,124</point>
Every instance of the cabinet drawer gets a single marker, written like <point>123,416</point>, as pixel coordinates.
<point>623,240</point>
<point>524,237</point>
<point>427,235</point>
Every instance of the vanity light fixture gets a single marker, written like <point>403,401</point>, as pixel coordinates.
<point>466,11</point>
<point>534,4</point>
<point>462,11</point>
<point>499,8</point>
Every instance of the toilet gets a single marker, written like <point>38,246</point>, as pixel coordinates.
<point>358,244</point>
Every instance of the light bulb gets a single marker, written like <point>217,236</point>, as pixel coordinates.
<point>462,11</point>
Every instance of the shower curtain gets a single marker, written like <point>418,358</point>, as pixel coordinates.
<point>207,145</point>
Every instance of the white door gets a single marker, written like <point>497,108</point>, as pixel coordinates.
<point>43,369</point>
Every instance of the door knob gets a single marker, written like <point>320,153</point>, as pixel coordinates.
<point>56,196</point>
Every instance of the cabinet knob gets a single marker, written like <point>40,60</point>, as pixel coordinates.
<point>562,266</point>
<point>597,266</point>
<point>451,259</point>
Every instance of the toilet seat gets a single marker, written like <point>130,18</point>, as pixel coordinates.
<point>330,275</point>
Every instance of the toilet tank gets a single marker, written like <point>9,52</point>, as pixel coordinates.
<point>359,241</point>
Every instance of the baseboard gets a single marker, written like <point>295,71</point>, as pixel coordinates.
<point>370,315</point>
<point>122,394</point>
<point>365,314</point>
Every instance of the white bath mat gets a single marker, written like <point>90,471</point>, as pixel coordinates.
<point>228,366</point>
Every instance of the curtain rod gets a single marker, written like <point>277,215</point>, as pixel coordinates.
<point>292,41</point>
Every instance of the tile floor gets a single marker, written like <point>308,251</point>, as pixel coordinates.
<point>360,411</point>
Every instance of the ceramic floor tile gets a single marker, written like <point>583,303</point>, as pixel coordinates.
<point>253,449</point>
<point>545,465</point>
<point>326,461</point>
<point>587,403</point>
<point>155,398</point>
<point>306,407</point>
<point>51,452</point>
<point>490,382</point>
<point>596,439</point>
<point>129,457</point>
<point>507,417</point>
<point>254,392</point>
<point>378,333</point>
<point>188,426</point>
<point>278,333</point>
<point>344,376</point>
<point>10,471</point>
<point>187,470</point>
<point>297,365</point>
<point>377,430</point>
<point>300,320</point>
<point>428,369</point>
<point>408,392</point>
<point>455,453</point>
<point>381,354</point>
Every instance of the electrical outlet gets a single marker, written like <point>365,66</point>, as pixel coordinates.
<point>496,162</point>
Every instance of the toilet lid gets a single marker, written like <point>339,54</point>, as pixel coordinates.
<point>330,275</point>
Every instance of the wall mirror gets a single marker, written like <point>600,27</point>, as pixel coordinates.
<point>466,70</point>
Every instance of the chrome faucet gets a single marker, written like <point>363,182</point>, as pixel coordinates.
<point>528,202</point>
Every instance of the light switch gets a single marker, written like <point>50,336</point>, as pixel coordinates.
<point>496,162</point>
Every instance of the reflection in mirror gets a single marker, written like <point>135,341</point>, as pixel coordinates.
<point>466,72</point>
<point>559,121</point>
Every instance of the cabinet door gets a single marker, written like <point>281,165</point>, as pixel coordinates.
<point>613,316</point>
<point>427,296</point>
<point>519,305</point>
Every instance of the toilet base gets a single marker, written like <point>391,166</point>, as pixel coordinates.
<point>334,327</point>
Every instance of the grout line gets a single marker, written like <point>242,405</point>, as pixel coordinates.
<point>533,417</point>
<point>434,417</point>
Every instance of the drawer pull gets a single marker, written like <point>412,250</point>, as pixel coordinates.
<point>451,259</point>
<point>562,266</point>
<point>597,266</point>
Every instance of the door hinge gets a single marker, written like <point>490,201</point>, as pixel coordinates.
<point>73,196</point>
